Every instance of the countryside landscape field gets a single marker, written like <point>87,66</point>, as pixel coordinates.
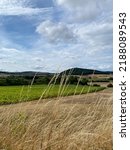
<point>56,74</point>
<point>56,116</point>
<point>16,94</point>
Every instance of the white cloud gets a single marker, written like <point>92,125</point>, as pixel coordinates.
<point>81,10</point>
<point>19,7</point>
<point>53,60</point>
<point>77,4</point>
<point>16,11</point>
<point>93,46</point>
<point>80,37</point>
<point>12,3</point>
<point>56,32</point>
<point>95,34</point>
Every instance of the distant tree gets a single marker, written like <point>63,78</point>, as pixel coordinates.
<point>14,80</point>
<point>73,80</point>
<point>58,80</point>
<point>42,80</point>
<point>96,85</point>
<point>28,77</point>
<point>2,81</point>
<point>111,78</point>
<point>83,81</point>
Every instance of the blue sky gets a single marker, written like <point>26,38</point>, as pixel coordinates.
<point>54,35</point>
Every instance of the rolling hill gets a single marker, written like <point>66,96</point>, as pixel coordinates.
<point>82,71</point>
<point>72,71</point>
<point>26,73</point>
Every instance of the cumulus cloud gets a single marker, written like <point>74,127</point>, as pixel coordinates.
<point>56,32</point>
<point>93,46</point>
<point>98,35</point>
<point>79,36</point>
<point>80,10</point>
<point>77,4</point>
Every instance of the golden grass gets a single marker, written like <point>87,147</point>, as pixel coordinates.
<point>81,122</point>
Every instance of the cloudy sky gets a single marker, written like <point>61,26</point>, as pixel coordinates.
<point>54,35</point>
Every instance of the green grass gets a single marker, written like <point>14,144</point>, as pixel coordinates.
<point>15,94</point>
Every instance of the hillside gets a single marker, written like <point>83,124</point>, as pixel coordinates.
<point>82,71</point>
<point>26,73</point>
<point>72,71</point>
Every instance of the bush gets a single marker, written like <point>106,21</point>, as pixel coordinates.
<point>73,80</point>
<point>42,80</point>
<point>96,85</point>
<point>13,80</point>
<point>110,85</point>
<point>84,81</point>
<point>3,81</point>
<point>110,79</point>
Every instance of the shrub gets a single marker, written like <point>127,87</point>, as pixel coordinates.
<point>96,85</point>
<point>73,80</point>
<point>83,81</point>
<point>110,85</point>
<point>42,80</point>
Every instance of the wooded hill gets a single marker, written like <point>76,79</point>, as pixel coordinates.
<point>81,71</point>
<point>72,71</point>
<point>26,78</point>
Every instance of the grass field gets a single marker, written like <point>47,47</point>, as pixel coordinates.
<point>78,118</point>
<point>77,122</point>
<point>14,94</point>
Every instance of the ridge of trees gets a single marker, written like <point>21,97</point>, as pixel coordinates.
<point>26,80</point>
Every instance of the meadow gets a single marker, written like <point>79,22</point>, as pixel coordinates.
<point>14,94</point>
<point>55,117</point>
<point>77,122</point>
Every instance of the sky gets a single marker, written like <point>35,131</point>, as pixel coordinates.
<point>55,35</point>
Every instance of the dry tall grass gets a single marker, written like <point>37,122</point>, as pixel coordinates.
<point>81,122</point>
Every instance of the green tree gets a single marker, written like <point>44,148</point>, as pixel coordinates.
<point>83,81</point>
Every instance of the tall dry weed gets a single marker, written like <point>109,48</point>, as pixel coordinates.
<point>82,122</point>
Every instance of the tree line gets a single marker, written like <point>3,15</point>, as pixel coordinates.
<point>27,80</point>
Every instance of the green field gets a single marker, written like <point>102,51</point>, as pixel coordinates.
<point>14,94</point>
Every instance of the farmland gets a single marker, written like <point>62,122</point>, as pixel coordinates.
<point>77,122</point>
<point>14,94</point>
<point>58,115</point>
